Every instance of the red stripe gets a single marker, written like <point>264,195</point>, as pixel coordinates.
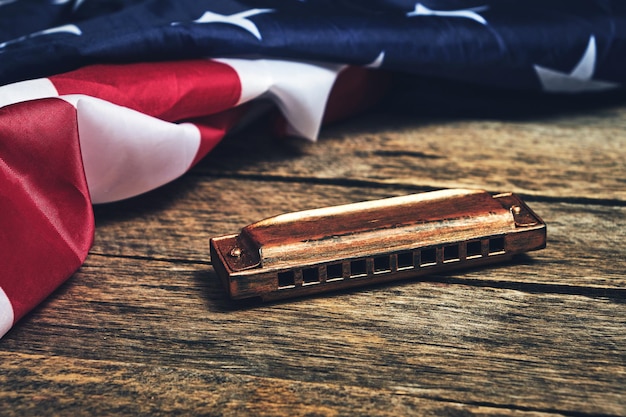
<point>171,91</point>
<point>356,89</point>
<point>46,225</point>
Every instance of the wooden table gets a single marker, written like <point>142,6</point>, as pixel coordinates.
<point>144,326</point>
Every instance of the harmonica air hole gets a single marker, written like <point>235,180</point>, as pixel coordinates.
<point>496,245</point>
<point>310,276</point>
<point>405,260</point>
<point>451,253</point>
<point>334,272</point>
<point>286,279</point>
<point>382,265</point>
<point>358,268</point>
<point>474,249</point>
<point>428,257</point>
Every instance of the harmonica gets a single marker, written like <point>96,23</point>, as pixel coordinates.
<point>351,245</point>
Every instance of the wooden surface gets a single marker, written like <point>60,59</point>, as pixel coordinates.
<point>144,326</point>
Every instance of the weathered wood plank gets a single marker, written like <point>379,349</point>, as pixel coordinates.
<point>569,156</point>
<point>584,241</point>
<point>95,388</point>
<point>145,328</point>
<point>517,349</point>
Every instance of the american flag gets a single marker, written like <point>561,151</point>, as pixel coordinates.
<point>105,100</point>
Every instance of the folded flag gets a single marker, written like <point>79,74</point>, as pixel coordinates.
<point>575,45</point>
<point>130,129</point>
<point>101,101</point>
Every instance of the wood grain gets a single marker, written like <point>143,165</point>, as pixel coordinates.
<point>558,156</point>
<point>510,349</point>
<point>144,327</point>
<point>89,388</point>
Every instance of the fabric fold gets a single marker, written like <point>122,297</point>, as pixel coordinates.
<point>47,221</point>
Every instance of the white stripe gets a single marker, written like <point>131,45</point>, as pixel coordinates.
<point>253,75</point>
<point>127,153</point>
<point>27,90</point>
<point>299,89</point>
<point>6,313</point>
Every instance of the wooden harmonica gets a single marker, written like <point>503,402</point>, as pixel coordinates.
<point>357,244</point>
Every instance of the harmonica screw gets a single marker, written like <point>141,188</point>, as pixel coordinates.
<point>516,209</point>
<point>235,252</point>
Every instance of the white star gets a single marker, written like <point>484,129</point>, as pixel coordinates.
<point>237,19</point>
<point>378,62</point>
<point>421,10</point>
<point>71,29</point>
<point>579,79</point>
<point>77,3</point>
